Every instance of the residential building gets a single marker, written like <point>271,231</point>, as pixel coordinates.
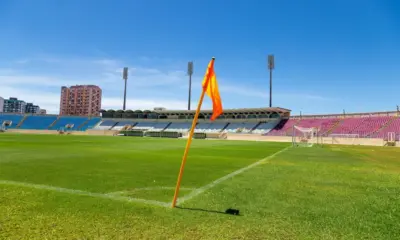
<point>13,105</point>
<point>30,108</point>
<point>42,111</point>
<point>1,104</point>
<point>80,100</point>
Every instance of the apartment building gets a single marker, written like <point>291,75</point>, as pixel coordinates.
<point>80,100</point>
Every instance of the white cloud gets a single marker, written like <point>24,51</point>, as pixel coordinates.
<point>146,104</point>
<point>47,100</point>
<point>38,80</point>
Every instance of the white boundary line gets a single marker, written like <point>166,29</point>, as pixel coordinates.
<point>115,195</point>
<point>226,177</point>
<point>148,189</point>
<point>84,193</point>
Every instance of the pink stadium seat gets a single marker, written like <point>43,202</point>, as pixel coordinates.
<point>394,126</point>
<point>370,125</point>
<point>285,127</point>
<point>363,126</point>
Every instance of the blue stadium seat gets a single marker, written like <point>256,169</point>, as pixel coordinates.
<point>15,119</point>
<point>64,120</point>
<point>264,128</point>
<point>106,125</point>
<point>121,124</point>
<point>38,122</point>
<point>179,127</point>
<point>90,124</point>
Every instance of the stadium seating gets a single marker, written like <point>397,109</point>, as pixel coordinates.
<point>90,123</point>
<point>283,127</point>
<point>214,127</point>
<point>155,126</point>
<point>122,124</point>
<point>106,125</point>
<point>363,126</point>
<point>394,126</point>
<point>15,119</point>
<point>38,122</point>
<point>64,120</point>
<point>160,126</point>
<point>145,125</point>
<point>370,125</point>
<point>179,127</point>
<point>264,128</point>
<point>241,127</point>
<point>348,125</point>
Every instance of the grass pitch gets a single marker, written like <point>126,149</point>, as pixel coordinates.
<point>57,187</point>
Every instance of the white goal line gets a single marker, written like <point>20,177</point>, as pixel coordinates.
<point>84,193</point>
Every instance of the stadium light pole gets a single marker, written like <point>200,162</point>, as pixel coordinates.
<point>271,66</point>
<point>190,73</point>
<point>125,77</point>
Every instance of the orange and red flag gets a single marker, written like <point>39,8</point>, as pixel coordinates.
<point>210,86</point>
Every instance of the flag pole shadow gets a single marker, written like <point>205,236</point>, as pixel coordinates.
<point>227,212</point>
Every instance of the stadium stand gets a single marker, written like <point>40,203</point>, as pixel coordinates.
<point>370,125</point>
<point>122,124</point>
<point>145,125</point>
<point>241,127</point>
<point>283,128</point>
<point>363,126</point>
<point>91,123</point>
<point>75,122</point>
<point>38,122</point>
<point>264,128</point>
<point>394,126</point>
<point>14,119</point>
<point>213,127</point>
<point>179,127</point>
<point>264,121</point>
<point>348,125</point>
<point>160,126</point>
<point>106,125</point>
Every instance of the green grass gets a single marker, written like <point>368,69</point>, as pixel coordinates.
<point>334,192</point>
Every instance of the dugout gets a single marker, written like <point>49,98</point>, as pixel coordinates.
<point>163,134</point>
<point>133,133</point>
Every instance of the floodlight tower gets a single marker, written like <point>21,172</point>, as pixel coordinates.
<point>271,66</point>
<point>190,73</point>
<point>125,77</point>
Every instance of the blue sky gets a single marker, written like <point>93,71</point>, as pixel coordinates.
<point>329,55</point>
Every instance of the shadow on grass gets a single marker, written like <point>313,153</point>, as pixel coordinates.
<point>227,212</point>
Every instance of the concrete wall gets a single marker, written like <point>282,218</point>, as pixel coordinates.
<point>327,140</point>
<point>32,131</point>
<point>230,136</point>
<point>88,132</point>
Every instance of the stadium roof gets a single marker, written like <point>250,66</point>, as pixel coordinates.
<point>238,110</point>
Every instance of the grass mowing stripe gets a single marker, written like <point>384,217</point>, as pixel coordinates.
<point>226,177</point>
<point>84,193</point>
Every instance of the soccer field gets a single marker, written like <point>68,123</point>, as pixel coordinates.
<point>85,187</point>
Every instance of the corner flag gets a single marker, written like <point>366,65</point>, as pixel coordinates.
<point>210,86</point>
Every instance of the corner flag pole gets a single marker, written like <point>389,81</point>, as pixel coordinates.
<point>189,141</point>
